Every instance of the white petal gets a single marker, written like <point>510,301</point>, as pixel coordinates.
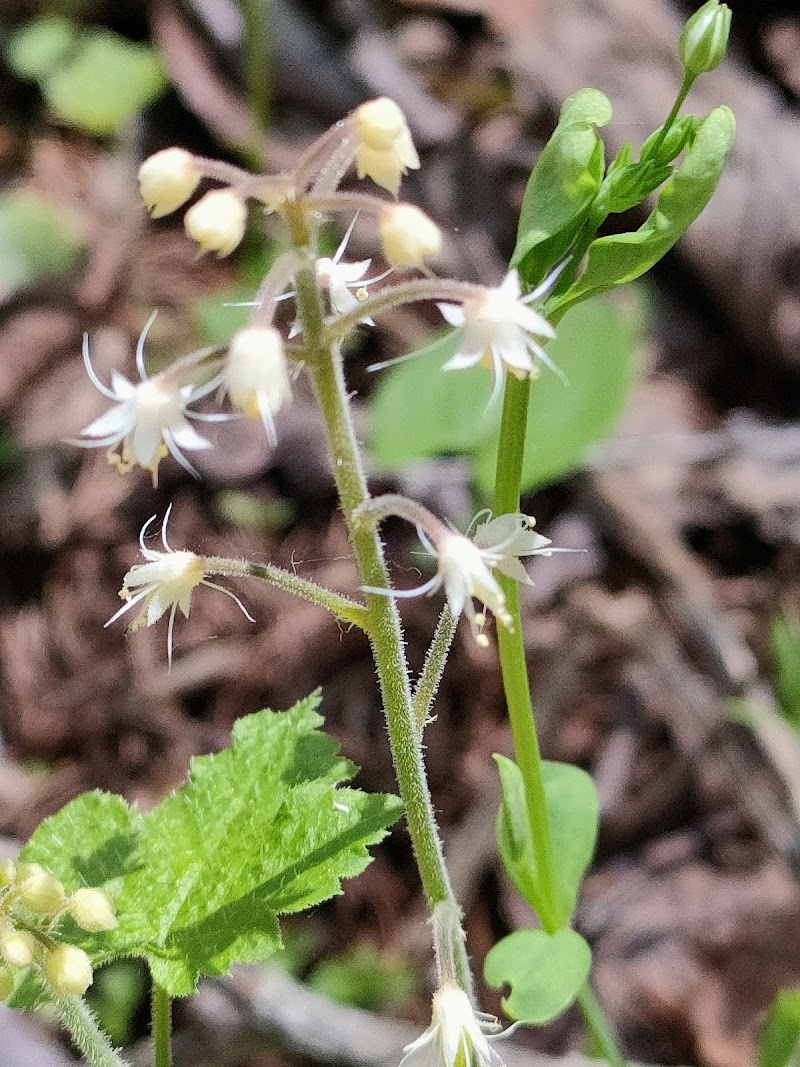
<point>452,314</point>
<point>511,566</point>
<point>532,322</point>
<point>122,387</point>
<point>462,359</point>
<point>185,436</point>
<point>117,420</point>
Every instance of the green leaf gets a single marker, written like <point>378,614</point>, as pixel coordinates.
<point>514,840</point>
<point>39,47</point>
<point>107,81</point>
<point>562,186</point>
<point>572,809</point>
<point>418,410</point>
<point>785,649</point>
<point>595,348</point>
<point>545,971</point>
<point>619,258</point>
<point>261,829</point>
<point>780,1039</point>
<point>37,241</point>
<point>572,815</point>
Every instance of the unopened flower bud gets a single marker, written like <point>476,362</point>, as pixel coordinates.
<point>705,38</point>
<point>6,985</point>
<point>167,180</point>
<point>91,909</point>
<point>8,872</point>
<point>385,151</point>
<point>17,947</point>
<point>68,970</point>
<point>408,236</point>
<point>217,221</point>
<point>256,375</point>
<point>38,889</point>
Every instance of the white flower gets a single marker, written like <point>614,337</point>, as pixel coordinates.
<point>217,221</point>
<point>166,580</point>
<point>385,151</point>
<point>457,1036</point>
<point>338,278</point>
<point>506,538</point>
<point>499,330</point>
<point>256,375</point>
<point>167,180</point>
<point>408,236</point>
<point>149,417</point>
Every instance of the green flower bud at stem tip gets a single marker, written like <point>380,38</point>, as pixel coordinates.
<point>705,38</point>
<point>68,970</point>
<point>92,911</point>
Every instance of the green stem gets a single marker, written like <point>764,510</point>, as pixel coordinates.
<point>511,450</point>
<point>683,92</point>
<point>341,606</point>
<point>327,377</point>
<point>602,1038</point>
<point>92,1043</point>
<point>162,1026</point>
<point>256,62</point>
<point>435,661</point>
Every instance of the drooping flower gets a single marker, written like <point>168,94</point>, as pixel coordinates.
<point>385,151</point>
<point>167,180</point>
<point>166,581</point>
<point>338,278</point>
<point>507,538</point>
<point>458,1036</point>
<point>256,375</point>
<point>217,222</point>
<point>408,236</point>
<point>149,418</point>
<point>499,330</point>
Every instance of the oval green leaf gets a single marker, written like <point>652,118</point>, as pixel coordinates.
<point>545,972</point>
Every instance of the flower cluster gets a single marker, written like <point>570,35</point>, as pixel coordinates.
<point>32,904</point>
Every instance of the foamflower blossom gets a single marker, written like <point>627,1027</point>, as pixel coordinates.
<point>149,418</point>
<point>408,237</point>
<point>385,151</point>
<point>506,539</point>
<point>499,330</point>
<point>457,1037</point>
<point>256,376</point>
<point>344,283</point>
<point>165,582</point>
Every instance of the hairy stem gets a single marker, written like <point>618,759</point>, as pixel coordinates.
<point>327,377</point>
<point>83,1028</point>
<point>341,606</point>
<point>162,1026</point>
<point>435,661</point>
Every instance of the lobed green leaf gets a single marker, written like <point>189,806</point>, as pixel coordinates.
<point>261,829</point>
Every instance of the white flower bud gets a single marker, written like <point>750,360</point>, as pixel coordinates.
<point>68,970</point>
<point>8,872</point>
<point>167,180</point>
<point>17,947</point>
<point>38,889</point>
<point>256,375</point>
<point>385,151</point>
<point>217,221</point>
<point>408,236</point>
<point>6,985</point>
<point>91,909</point>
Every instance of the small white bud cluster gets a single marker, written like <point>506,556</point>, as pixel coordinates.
<point>217,222</point>
<point>32,904</point>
